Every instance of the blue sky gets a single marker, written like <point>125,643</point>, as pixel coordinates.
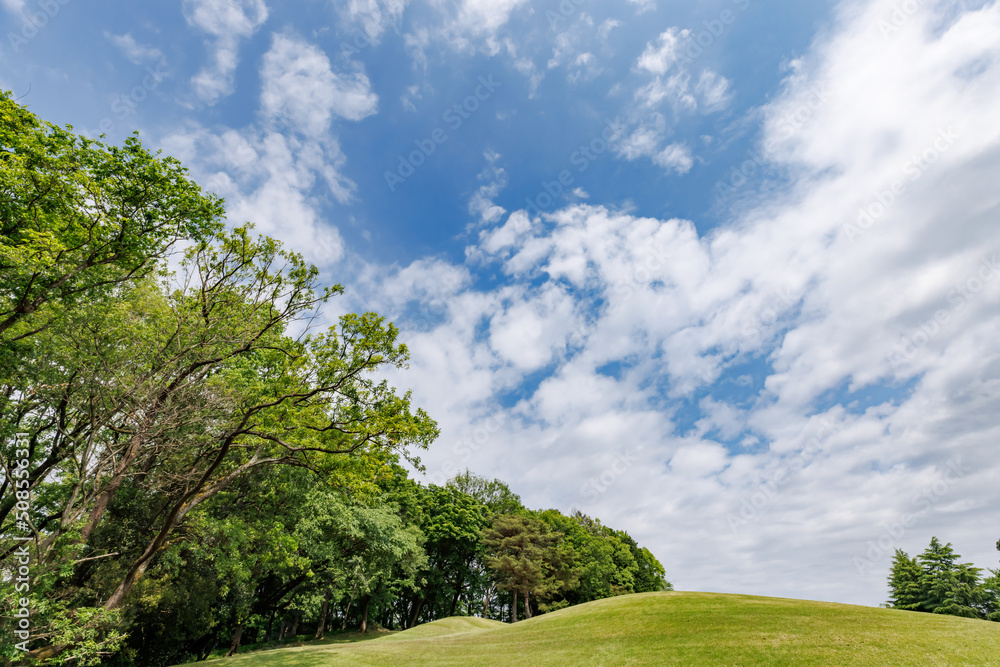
<point>721,273</point>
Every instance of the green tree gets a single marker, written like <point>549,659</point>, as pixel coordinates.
<point>493,494</point>
<point>153,392</point>
<point>904,582</point>
<point>935,582</point>
<point>79,218</point>
<point>946,586</point>
<point>528,558</point>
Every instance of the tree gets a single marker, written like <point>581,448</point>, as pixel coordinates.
<point>526,555</point>
<point>935,582</point>
<point>137,388</point>
<point>79,218</point>
<point>368,551</point>
<point>493,494</point>
<point>947,587</point>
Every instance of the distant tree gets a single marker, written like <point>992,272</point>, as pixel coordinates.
<point>904,582</point>
<point>493,494</point>
<point>935,582</point>
<point>528,559</point>
<point>946,586</point>
<point>452,521</point>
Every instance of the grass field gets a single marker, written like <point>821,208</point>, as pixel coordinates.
<point>670,629</point>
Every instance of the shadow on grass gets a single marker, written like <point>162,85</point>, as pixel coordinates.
<point>303,641</point>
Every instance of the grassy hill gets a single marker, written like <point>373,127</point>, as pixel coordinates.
<point>671,629</point>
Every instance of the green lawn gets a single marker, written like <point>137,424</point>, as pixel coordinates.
<point>671,629</point>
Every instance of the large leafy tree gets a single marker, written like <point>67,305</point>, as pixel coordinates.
<point>170,392</point>
<point>79,218</point>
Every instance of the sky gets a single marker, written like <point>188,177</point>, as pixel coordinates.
<point>724,274</point>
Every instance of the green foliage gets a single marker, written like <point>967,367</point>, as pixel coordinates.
<point>935,582</point>
<point>904,582</point>
<point>79,218</point>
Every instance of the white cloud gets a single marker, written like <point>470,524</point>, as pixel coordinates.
<point>272,180</point>
<point>14,6</point>
<point>699,459</point>
<point>630,310</point>
<point>643,6</point>
<point>668,91</point>
<point>372,17</point>
<point>137,53</point>
<point>299,86</point>
<point>713,91</point>
<point>228,22</point>
<point>465,25</point>
<point>528,332</point>
<point>481,204</point>
<point>660,57</point>
<point>675,157</point>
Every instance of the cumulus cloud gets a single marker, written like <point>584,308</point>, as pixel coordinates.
<point>667,94</point>
<point>372,17</point>
<point>136,52</point>
<point>227,22</point>
<point>675,157</point>
<point>658,58</point>
<point>494,179</point>
<point>271,180</point>
<point>863,299</point>
<point>465,25</point>
<point>299,87</point>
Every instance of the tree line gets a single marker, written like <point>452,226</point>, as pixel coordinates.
<point>187,461</point>
<point>936,582</point>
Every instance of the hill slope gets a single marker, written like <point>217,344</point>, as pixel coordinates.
<point>672,629</point>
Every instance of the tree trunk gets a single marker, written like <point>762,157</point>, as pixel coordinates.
<point>322,617</point>
<point>486,602</point>
<point>417,606</point>
<point>364,614</point>
<point>347,612</point>
<point>513,607</point>
<point>527,604</point>
<point>235,646</point>
<point>294,632</point>
<point>458,592</point>
<point>117,478</point>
